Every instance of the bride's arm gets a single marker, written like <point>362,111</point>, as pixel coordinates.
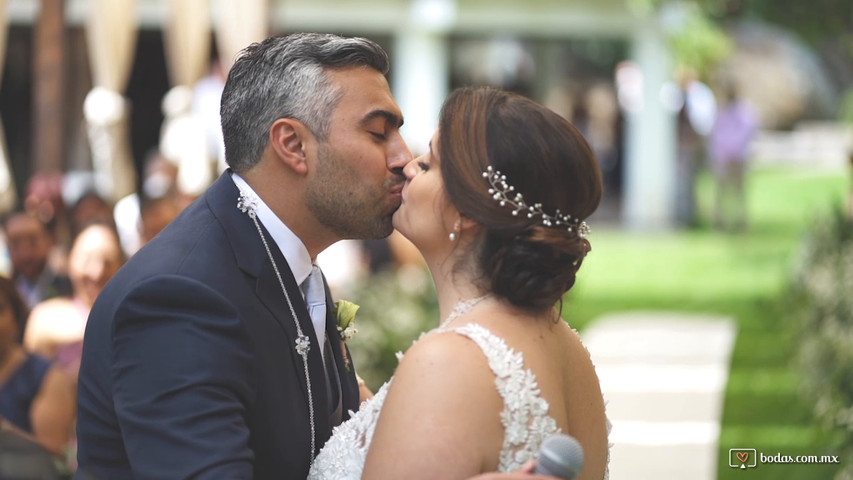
<point>441,418</point>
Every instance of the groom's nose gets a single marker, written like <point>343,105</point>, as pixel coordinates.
<point>399,154</point>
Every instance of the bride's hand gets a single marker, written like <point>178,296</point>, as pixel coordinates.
<point>364,392</point>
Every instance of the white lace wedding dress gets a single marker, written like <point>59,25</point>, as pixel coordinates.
<point>525,416</point>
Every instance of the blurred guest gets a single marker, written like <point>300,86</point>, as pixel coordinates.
<point>602,116</point>
<point>205,105</point>
<point>43,197</point>
<point>728,147</point>
<point>90,208</point>
<point>30,244</point>
<point>697,110</point>
<point>159,180</point>
<point>377,255</point>
<point>35,398</point>
<point>95,256</point>
<point>155,214</point>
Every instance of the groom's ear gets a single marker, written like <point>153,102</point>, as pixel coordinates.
<point>290,140</point>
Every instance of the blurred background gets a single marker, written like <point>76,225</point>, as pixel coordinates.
<point>717,298</point>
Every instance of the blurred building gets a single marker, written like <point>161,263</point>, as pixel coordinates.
<point>59,51</point>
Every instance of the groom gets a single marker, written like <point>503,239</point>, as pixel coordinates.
<point>201,359</point>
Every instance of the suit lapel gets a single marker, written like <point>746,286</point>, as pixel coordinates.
<point>343,359</point>
<point>269,291</point>
<point>252,258</point>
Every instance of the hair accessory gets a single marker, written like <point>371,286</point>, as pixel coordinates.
<point>501,191</point>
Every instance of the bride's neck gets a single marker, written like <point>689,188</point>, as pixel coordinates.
<point>453,285</point>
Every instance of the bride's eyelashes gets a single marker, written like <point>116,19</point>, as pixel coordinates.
<point>423,165</point>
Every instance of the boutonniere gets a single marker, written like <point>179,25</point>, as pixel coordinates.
<point>345,318</point>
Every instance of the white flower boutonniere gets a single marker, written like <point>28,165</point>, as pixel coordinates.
<point>345,316</point>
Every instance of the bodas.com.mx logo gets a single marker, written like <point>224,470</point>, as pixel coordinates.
<point>742,458</point>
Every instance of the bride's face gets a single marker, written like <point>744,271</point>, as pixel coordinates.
<point>425,216</point>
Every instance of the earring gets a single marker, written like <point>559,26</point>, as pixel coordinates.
<point>453,235</point>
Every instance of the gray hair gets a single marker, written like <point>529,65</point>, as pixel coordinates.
<point>284,77</point>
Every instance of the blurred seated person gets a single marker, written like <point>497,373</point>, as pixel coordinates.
<point>89,208</point>
<point>36,399</point>
<point>29,243</point>
<point>43,199</point>
<point>136,215</point>
<point>155,214</point>
<point>95,257</point>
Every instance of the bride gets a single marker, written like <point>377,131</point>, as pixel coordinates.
<point>496,208</point>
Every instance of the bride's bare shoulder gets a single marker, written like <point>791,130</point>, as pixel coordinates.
<point>441,413</point>
<point>441,349</point>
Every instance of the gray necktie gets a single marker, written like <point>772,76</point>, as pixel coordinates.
<point>315,299</point>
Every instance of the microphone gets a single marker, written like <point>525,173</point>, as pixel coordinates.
<point>560,456</point>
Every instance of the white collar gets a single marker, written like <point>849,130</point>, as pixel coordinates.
<point>289,244</point>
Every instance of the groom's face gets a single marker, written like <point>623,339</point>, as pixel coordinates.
<point>356,186</point>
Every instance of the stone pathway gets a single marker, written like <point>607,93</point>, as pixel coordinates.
<point>664,377</point>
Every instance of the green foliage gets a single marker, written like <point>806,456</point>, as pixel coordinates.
<point>700,44</point>
<point>396,306</point>
<point>815,21</point>
<point>697,41</point>
<point>824,279</point>
<point>643,6</point>
<point>845,111</point>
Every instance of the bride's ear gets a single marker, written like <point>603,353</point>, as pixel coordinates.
<point>464,223</point>
<point>290,140</point>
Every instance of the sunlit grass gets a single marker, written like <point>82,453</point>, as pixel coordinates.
<point>745,276</point>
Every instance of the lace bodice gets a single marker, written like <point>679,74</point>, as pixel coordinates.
<point>344,454</point>
<point>525,415</point>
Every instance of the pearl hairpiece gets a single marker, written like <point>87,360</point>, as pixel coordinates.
<point>501,191</point>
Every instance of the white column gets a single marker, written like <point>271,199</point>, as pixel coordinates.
<point>420,69</point>
<point>649,171</point>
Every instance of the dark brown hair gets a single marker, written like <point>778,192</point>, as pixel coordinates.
<point>19,308</point>
<point>547,160</point>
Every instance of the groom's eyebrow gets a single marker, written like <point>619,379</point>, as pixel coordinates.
<point>389,116</point>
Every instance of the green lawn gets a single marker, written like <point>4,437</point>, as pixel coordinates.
<point>745,276</point>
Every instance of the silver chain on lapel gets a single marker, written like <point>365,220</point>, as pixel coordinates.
<point>248,205</point>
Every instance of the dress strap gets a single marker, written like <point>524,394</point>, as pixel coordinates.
<point>525,415</point>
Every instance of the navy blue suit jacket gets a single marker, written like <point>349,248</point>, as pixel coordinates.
<point>189,368</point>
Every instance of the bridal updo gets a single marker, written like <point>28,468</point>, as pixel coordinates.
<point>545,159</point>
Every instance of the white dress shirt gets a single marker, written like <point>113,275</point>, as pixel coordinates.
<point>290,246</point>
